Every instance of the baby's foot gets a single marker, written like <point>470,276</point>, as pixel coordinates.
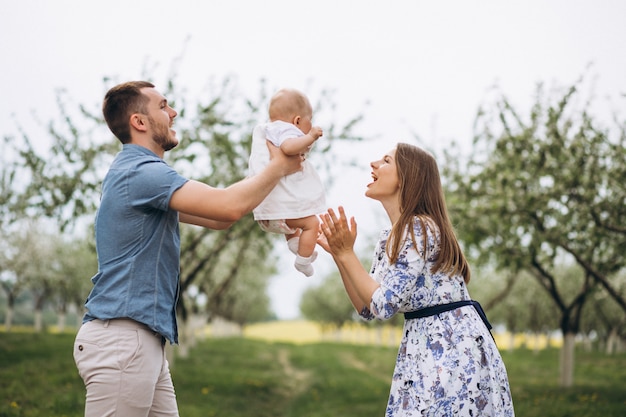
<point>306,269</point>
<point>303,264</point>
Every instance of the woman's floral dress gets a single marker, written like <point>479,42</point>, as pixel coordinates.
<point>448,364</point>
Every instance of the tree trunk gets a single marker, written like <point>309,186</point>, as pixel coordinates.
<point>39,304</point>
<point>79,317</point>
<point>187,333</point>
<point>611,341</point>
<point>170,354</point>
<point>536,347</point>
<point>379,335</point>
<point>567,360</point>
<point>38,321</point>
<point>548,336</point>
<point>8,320</point>
<point>511,346</point>
<point>183,338</point>
<point>62,316</point>
<point>61,319</point>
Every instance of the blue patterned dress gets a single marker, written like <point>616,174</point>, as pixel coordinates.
<point>448,364</point>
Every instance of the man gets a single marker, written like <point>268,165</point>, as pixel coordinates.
<point>131,310</point>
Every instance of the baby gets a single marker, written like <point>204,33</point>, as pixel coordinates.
<point>292,207</point>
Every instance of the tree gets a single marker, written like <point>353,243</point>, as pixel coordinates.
<point>604,319</point>
<point>15,258</point>
<point>63,182</point>
<point>328,303</point>
<point>545,192</point>
<point>74,263</point>
<point>514,299</point>
<point>25,258</point>
<point>12,216</point>
<point>12,287</point>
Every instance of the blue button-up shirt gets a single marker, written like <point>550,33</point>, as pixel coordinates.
<point>138,243</point>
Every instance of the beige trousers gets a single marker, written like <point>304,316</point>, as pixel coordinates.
<point>125,371</point>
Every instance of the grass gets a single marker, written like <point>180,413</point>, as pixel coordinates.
<point>599,388</point>
<point>245,377</point>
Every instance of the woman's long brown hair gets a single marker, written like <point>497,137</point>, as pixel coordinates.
<point>421,195</point>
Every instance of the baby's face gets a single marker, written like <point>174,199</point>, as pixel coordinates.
<point>305,123</point>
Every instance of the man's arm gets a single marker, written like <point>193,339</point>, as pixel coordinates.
<point>199,221</point>
<point>226,205</point>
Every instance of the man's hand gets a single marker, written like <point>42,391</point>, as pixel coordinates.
<point>289,164</point>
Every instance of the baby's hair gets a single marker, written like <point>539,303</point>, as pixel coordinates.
<point>288,103</point>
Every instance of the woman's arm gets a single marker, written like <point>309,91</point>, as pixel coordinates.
<point>360,294</point>
<point>338,239</point>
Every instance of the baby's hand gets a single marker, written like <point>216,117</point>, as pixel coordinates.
<point>316,132</point>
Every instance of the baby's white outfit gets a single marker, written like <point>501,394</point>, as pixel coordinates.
<point>298,195</point>
<point>295,196</point>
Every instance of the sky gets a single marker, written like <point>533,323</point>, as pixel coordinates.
<point>422,67</point>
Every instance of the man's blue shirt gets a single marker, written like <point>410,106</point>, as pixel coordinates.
<point>138,243</point>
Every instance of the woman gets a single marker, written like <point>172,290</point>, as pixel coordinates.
<point>448,363</point>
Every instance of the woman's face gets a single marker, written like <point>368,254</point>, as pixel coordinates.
<point>386,185</point>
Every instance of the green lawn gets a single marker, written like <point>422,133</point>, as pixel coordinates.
<point>242,377</point>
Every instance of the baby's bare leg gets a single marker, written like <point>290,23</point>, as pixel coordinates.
<point>308,236</point>
<point>292,235</point>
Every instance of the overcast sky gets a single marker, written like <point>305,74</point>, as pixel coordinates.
<point>423,66</point>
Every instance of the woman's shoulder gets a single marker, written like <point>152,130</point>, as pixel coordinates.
<point>421,222</point>
<point>426,234</point>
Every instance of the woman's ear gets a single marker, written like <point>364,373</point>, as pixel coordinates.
<point>137,122</point>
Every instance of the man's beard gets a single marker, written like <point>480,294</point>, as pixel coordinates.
<point>162,136</point>
<point>164,141</point>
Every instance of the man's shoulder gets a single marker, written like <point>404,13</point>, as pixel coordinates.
<point>132,151</point>
<point>133,157</point>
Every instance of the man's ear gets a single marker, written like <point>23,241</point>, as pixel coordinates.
<point>138,121</point>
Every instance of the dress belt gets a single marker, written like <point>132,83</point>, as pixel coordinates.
<point>440,308</point>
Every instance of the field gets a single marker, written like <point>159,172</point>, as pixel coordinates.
<point>247,376</point>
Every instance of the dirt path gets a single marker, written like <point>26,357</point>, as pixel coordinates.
<point>298,379</point>
<point>362,366</point>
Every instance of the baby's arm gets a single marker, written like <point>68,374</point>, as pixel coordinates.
<point>301,144</point>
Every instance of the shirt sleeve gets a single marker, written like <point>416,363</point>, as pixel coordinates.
<point>153,184</point>
<point>279,131</point>
<point>400,280</point>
